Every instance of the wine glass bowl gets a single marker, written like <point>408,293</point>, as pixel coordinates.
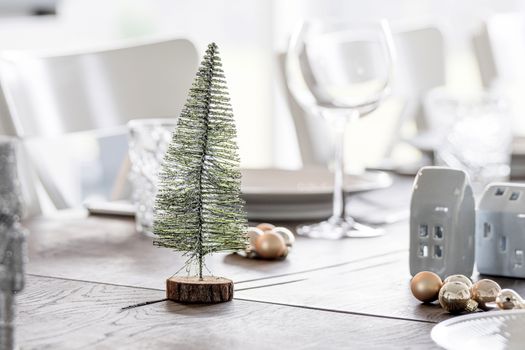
<point>341,71</point>
<point>342,79</point>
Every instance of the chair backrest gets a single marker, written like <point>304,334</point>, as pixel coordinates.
<point>500,52</point>
<point>499,46</point>
<point>420,66</point>
<point>52,95</point>
<point>58,94</point>
<point>484,56</point>
<point>506,39</point>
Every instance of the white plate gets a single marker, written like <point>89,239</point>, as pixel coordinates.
<point>298,211</point>
<point>306,194</point>
<point>488,330</point>
<point>119,208</point>
<point>304,211</point>
<point>270,186</point>
<point>274,194</point>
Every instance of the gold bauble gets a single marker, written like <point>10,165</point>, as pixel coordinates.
<point>286,234</point>
<point>425,286</point>
<point>253,233</point>
<point>285,253</point>
<point>508,299</point>
<point>265,226</point>
<point>270,245</point>
<point>455,298</point>
<point>459,278</point>
<point>485,291</point>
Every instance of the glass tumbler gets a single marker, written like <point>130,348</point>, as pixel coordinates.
<point>475,135</point>
<point>148,142</point>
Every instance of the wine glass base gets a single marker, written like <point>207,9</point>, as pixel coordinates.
<point>339,228</point>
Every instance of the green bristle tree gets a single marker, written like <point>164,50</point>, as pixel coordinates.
<point>198,209</point>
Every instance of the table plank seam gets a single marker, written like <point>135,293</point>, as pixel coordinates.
<point>327,267</point>
<point>321,268</point>
<point>337,311</point>
<point>146,303</point>
<point>271,285</point>
<point>92,282</point>
<point>155,289</point>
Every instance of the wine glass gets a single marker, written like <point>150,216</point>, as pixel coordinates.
<point>340,71</point>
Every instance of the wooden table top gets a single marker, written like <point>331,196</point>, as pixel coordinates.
<point>351,293</point>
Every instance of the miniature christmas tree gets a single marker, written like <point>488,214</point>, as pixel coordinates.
<point>198,208</point>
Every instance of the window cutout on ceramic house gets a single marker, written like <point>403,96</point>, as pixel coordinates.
<point>514,196</point>
<point>519,258</point>
<point>503,243</point>
<point>423,250</point>
<point>438,232</point>
<point>487,228</point>
<point>423,231</point>
<point>438,251</point>
<point>499,191</point>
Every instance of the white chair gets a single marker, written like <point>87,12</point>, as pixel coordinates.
<point>500,48</point>
<point>484,56</point>
<point>420,66</point>
<point>500,52</point>
<point>50,95</point>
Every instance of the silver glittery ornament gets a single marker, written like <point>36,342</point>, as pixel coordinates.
<point>459,278</point>
<point>485,291</point>
<point>508,299</point>
<point>455,298</point>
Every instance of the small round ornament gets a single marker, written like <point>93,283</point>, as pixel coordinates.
<point>270,245</point>
<point>253,233</point>
<point>455,298</point>
<point>265,226</point>
<point>485,291</point>
<point>508,299</point>
<point>287,235</point>
<point>459,278</point>
<point>285,253</point>
<point>425,286</point>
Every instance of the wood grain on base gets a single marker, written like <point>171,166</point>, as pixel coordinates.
<point>192,290</point>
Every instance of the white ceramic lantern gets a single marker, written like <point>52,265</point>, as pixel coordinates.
<point>500,231</point>
<point>442,222</point>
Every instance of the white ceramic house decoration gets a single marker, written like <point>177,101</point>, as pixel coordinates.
<point>500,231</point>
<point>442,222</point>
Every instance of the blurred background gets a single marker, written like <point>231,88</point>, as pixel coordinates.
<point>474,51</point>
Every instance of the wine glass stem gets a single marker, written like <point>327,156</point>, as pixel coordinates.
<point>339,166</point>
<point>339,130</point>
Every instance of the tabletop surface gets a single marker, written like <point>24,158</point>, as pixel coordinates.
<point>351,293</point>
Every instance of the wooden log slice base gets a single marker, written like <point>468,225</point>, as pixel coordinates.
<point>191,290</point>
